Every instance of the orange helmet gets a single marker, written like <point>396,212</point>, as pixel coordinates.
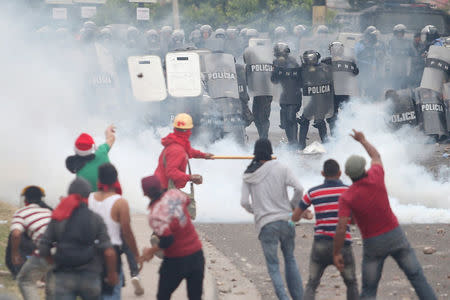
<point>183,121</point>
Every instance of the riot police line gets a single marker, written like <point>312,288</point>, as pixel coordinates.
<point>213,75</point>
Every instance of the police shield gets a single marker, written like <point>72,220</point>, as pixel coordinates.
<point>447,104</point>
<point>344,78</point>
<point>106,75</point>
<point>220,76</point>
<point>431,112</point>
<point>403,107</point>
<point>437,68</point>
<point>260,42</point>
<point>147,78</point>
<point>183,74</point>
<point>258,64</point>
<point>318,100</point>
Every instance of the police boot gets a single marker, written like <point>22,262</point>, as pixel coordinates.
<point>304,127</point>
<point>322,127</point>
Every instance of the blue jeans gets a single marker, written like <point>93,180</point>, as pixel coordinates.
<point>132,264</point>
<point>70,285</point>
<point>393,243</point>
<point>272,234</point>
<point>321,258</point>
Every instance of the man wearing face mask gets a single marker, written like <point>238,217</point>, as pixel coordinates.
<point>174,158</point>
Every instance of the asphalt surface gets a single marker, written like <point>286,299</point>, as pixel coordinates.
<point>239,242</point>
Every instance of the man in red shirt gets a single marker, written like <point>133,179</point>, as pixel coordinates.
<point>367,202</point>
<point>183,254</point>
<point>176,153</point>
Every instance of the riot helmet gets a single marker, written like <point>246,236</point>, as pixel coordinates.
<point>206,31</point>
<point>399,30</point>
<point>336,49</point>
<point>251,33</point>
<point>429,33</point>
<point>243,32</point>
<point>231,33</point>
<point>299,30</point>
<point>281,49</point>
<point>178,36</point>
<point>279,32</point>
<point>370,35</point>
<point>132,36</point>
<point>220,33</point>
<point>310,57</point>
<point>105,34</point>
<point>152,36</point>
<point>195,36</point>
<point>166,31</point>
<point>90,25</point>
<point>322,29</point>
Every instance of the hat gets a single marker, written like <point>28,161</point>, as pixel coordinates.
<point>151,186</point>
<point>355,166</point>
<point>263,149</point>
<point>81,187</point>
<point>84,145</point>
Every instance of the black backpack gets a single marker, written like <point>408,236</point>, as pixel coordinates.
<point>76,246</point>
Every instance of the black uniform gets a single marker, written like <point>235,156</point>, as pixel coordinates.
<point>287,72</point>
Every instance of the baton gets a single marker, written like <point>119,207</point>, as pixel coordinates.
<point>235,157</point>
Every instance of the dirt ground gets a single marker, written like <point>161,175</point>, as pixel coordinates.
<point>240,244</point>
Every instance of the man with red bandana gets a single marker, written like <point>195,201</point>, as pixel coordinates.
<point>176,153</point>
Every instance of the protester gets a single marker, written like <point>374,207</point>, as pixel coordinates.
<point>366,201</point>
<point>183,254</point>
<point>85,164</point>
<point>266,181</point>
<point>324,198</point>
<point>82,244</point>
<point>174,158</point>
<point>31,220</point>
<point>87,158</point>
<point>109,204</point>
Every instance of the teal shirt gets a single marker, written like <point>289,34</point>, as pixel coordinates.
<point>90,170</point>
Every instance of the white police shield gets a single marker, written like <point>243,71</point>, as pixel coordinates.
<point>220,76</point>
<point>106,75</point>
<point>344,78</point>
<point>437,68</point>
<point>147,78</point>
<point>260,42</point>
<point>183,74</point>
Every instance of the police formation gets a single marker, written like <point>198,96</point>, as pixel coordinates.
<point>213,75</point>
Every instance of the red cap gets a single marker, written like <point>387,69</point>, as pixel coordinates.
<point>84,145</point>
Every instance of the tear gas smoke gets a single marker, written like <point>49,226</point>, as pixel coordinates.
<point>43,110</point>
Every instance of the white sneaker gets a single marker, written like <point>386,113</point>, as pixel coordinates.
<point>138,289</point>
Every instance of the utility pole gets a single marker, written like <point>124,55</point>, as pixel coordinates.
<point>176,14</point>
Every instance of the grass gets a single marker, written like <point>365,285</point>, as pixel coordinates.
<point>9,285</point>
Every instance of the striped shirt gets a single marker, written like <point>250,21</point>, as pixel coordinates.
<point>33,220</point>
<point>325,200</point>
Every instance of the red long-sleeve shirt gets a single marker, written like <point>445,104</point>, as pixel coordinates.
<point>177,151</point>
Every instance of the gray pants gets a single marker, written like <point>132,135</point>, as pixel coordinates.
<point>34,268</point>
<point>322,257</point>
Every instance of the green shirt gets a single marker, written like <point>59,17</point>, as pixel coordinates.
<point>90,170</point>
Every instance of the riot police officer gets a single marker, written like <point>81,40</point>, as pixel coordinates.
<point>232,43</point>
<point>370,56</point>
<point>205,31</point>
<point>299,33</point>
<point>195,38</point>
<point>345,84</point>
<point>286,71</point>
<point>164,39</point>
<point>177,41</point>
<point>280,34</point>
<point>152,39</point>
<point>399,52</point>
<point>430,36</point>
<point>317,85</point>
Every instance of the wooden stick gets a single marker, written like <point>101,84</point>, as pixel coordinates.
<point>235,157</point>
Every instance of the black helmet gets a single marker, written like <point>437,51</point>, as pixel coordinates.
<point>310,57</point>
<point>281,49</point>
<point>429,33</point>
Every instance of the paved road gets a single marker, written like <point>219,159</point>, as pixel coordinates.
<point>240,244</point>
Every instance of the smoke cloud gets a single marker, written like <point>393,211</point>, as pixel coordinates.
<point>44,109</point>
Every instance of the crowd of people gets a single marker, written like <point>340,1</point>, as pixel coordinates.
<point>76,247</point>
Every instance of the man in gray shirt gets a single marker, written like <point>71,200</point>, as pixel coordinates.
<point>266,181</point>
